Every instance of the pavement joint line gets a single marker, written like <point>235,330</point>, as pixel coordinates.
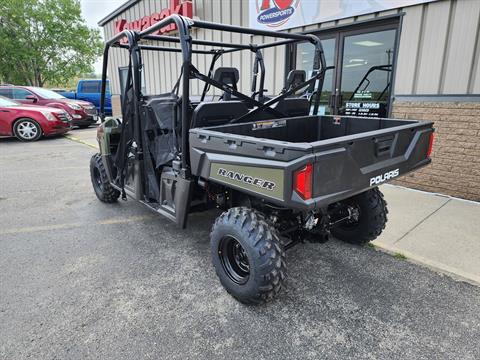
<point>40,228</point>
<point>433,193</point>
<point>124,220</point>
<point>450,271</point>
<point>53,227</point>
<point>80,141</point>
<point>422,221</point>
<point>43,169</point>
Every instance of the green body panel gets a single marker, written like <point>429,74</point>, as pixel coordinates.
<point>110,126</point>
<point>265,181</point>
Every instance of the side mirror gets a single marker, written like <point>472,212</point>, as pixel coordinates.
<point>32,98</point>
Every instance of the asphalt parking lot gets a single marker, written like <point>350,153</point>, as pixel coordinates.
<point>80,279</point>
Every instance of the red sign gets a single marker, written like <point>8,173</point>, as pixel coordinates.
<point>180,7</point>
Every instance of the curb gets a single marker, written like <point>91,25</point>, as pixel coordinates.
<point>456,274</point>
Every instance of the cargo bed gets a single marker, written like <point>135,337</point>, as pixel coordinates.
<point>348,154</point>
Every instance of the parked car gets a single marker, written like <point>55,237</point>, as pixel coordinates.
<point>89,90</point>
<point>29,123</point>
<point>83,113</point>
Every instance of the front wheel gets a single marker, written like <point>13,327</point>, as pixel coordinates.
<point>248,256</point>
<point>101,185</point>
<point>368,225</point>
<point>27,130</point>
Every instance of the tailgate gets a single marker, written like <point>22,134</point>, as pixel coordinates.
<point>351,164</point>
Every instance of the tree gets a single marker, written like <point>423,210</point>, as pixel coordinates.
<point>45,41</point>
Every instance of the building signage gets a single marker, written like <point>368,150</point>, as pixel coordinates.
<point>180,7</point>
<point>287,14</point>
<point>277,12</point>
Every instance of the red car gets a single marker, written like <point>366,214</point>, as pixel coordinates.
<point>29,123</point>
<point>83,113</point>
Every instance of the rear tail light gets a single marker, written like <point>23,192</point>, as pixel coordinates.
<point>302,181</point>
<point>430,144</point>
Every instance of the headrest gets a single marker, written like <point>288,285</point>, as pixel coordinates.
<point>295,78</point>
<point>226,75</point>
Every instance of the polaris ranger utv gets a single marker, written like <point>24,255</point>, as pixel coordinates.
<point>280,172</point>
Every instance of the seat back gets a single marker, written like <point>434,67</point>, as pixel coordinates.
<point>295,78</point>
<point>227,76</point>
<point>217,113</point>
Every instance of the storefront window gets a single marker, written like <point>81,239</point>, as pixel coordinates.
<point>366,73</point>
<point>305,62</point>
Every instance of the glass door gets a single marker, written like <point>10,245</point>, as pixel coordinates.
<point>304,61</point>
<point>366,74</point>
<point>363,56</point>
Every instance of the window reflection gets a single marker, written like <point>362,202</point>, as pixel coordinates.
<point>305,62</point>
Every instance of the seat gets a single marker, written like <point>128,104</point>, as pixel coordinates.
<point>227,76</point>
<point>293,106</point>
<point>217,113</point>
<point>295,78</point>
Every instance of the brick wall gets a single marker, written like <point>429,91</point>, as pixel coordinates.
<point>455,168</point>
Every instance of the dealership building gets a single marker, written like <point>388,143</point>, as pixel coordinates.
<point>392,58</point>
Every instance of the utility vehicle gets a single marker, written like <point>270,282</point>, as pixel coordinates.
<point>281,173</point>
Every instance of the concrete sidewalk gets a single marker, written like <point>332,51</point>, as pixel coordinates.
<point>434,230</point>
<point>430,229</point>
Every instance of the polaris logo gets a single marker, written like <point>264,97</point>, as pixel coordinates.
<point>250,180</point>
<point>384,177</point>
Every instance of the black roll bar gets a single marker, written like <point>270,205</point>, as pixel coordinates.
<point>166,49</point>
<point>210,74</point>
<point>196,42</point>
<point>241,30</point>
<point>183,25</point>
<point>258,63</point>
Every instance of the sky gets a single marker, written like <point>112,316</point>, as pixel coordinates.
<point>93,11</point>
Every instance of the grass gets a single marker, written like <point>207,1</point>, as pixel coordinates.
<point>400,256</point>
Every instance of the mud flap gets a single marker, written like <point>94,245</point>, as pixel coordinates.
<point>174,199</point>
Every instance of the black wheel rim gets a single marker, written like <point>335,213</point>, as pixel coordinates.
<point>234,260</point>
<point>97,178</point>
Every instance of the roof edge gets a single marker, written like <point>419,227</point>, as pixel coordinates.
<point>116,12</point>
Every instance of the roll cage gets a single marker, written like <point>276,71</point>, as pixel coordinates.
<point>133,41</point>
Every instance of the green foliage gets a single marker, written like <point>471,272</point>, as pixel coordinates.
<point>45,41</point>
<point>71,83</point>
